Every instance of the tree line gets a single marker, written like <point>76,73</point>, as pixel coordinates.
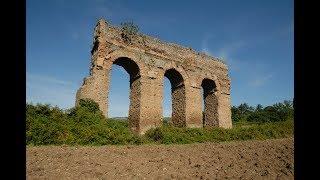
<point>274,113</point>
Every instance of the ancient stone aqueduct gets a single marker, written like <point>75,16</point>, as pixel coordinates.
<point>148,60</point>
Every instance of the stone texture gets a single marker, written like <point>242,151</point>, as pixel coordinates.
<point>148,60</point>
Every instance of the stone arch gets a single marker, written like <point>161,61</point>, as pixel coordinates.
<point>178,96</point>
<point>179,69</point>
<point>210,98</point>
<point>198,81</point>
<point>115,55</point>
<point>132,68</point>
<point>147,61</point>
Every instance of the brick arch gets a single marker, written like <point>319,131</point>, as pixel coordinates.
<point>134,68</point>
<point>210,77</point>
<point>210,97</point>
<point>152,58</point>
<point>179,69</point>
<point>115,55</point>
<point>177,78</point>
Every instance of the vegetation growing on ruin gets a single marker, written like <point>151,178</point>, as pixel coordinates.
<point>86,125</point>
<point>129,30</point>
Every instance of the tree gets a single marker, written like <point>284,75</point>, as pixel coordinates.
<point>235,115</point>
<point>245,109</point>
<point>259,107</point>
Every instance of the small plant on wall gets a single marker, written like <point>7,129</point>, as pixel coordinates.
<point>129,30</point>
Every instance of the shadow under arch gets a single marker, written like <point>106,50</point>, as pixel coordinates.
<point>130,66</point>
<point>133,70</point>
<point>178,96</point>
<point>210,115</point>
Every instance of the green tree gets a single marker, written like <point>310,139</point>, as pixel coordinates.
<point>259,107</point>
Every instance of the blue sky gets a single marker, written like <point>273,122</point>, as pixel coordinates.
<point>254,37</point>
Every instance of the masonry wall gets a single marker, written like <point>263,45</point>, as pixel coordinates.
<point>150,60</point>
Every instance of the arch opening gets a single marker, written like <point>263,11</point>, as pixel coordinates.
<point>210,103</point>
<point>130,66</point>
<point>178,97</point>
<point>134,90</point>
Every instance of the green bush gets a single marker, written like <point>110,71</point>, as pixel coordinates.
<point>82,125</point>
<point>89,104</point>
<point>173,135</point>
<point>86,125</point>
<point>129,30</point>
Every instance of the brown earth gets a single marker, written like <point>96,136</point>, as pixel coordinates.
<point>269,159</point>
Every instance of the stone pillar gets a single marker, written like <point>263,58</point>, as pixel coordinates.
<point>224,111</point>
<point>178,95</point>
<point>194,107</point>
<point>211,117</point>
<point>151,104</point>
<point>135,104</point>
<point>95,87</point>
<point>224,104</point>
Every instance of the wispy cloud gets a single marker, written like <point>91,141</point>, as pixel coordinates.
<point>260,80</point>
<point>229,49</point>
<point>226,52</point>
<point>205,46</point>
<point>47,89</point>
<point>48,79</point>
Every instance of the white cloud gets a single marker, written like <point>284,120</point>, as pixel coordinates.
<point>204,44</point>
<point>47,89</point>
<point>48,79</point>
<point>225,52</point>
<point>260,80</point>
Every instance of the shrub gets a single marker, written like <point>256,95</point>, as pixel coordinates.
<point>155,135</point>
<point>174,135</point>
<point>86,125</point>
<point>83,125</point>
<point>89,104</point>
<point>129,30</point>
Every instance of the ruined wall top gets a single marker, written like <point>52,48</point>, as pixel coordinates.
<point>112,34</point>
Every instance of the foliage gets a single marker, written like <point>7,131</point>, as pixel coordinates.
<point>174,135</point>
<point>129,30</point>
<point>277,112</point>
<point>86,125</point>
<point>89,104</point>
<point>82,125</point>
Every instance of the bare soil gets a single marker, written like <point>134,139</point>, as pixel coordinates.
<point>269,159</point>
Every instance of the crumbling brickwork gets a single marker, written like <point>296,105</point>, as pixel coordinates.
<point>148,60</point>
